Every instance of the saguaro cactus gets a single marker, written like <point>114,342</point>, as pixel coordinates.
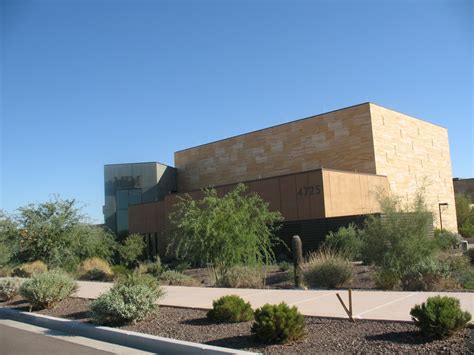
<point>298,260</point>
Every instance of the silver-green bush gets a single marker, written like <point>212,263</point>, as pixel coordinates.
<point>8,288</point>
<point>47,289</point>
<point>176,278</point>
<point>327,269</point>
<point>242,277</point>
<point>125,303</point>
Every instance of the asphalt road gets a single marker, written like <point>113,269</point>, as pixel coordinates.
<point>15,341</point>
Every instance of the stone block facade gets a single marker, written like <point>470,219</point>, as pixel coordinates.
<point>414,154</point>
<point>366,138</point>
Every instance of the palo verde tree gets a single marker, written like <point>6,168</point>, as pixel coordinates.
<point>222,232</point>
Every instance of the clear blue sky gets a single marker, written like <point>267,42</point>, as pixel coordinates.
<point>85,83</point>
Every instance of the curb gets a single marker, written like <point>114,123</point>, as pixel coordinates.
<point>145,342</point>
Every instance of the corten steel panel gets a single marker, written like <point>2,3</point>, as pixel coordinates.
<point>316,199</point>
<point>289,204</point>
<point>303,194</point>
<point>347,193</point>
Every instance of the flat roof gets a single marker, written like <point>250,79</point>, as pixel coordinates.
<point>302,119</point>
<point>145,162</point>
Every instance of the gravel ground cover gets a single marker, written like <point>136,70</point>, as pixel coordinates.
<point>323,335</point>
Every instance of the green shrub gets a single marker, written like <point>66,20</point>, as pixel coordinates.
<point>446,240</point>
<point>346,241</point>
<point>132,249</point>
<point>179,265</point>
<point>467,229</point>
<point>175,278</point>
<point>153,268</point>
<point>29,269</point>
<point>230,309</point>
<point>284,266</point>
<point>225,231</point>
<point>124,303</point>
<point>8,288</point>
<point>424,276</point>
<point>470,255</point>
<point>327,269</point>
<point>95,269</point>
<point>440,316</point>
<point>57,233</point>
<point>242,277</point>
<point>120,270</point>
<point>399,239</point>
<point>278,323</point>
<point>47,289</point>
<point>386,279</point>
<point>134,279</point>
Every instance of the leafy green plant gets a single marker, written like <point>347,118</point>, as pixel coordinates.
<point>386,279</point>
<point>346,241</point>
<point>399,239</point>
<point>235,229</point>
<point>47,289</point>
<point>440,316</point>
<point>8,288</point>
<point>464,215</point>
<point>134,279</point>
<point>424,276</point>
<point>278,323</point>
<point>56,233</point>
<point>175,278</point>
<point>95,269</point>
<point>446,240</point>
<point>327,269</point>
<point>230,309</point>
<point>242,277</point>
<point>284,266</point>
<point>124,303</point>
<point>470,255</point>
<point>132,249</point>
<point>120,270</point>
<point>29,269</point>
<point>151,267</point>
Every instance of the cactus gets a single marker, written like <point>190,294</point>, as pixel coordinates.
<point>298,260</point>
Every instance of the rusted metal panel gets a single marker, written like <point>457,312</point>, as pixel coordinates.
<point>303,194</point>
<point>316,199</point>
<point>289,204</point>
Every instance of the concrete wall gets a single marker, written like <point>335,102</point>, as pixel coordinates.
<point>413,154</point>
<point>338,140</point>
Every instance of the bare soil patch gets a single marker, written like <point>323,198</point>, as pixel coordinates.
<point>323,335</point>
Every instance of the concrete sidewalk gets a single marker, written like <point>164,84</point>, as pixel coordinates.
<point>379,305</point>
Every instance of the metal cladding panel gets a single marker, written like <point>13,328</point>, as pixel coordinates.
<point>289,203</point>
<point>303,194</point>
<point>316,199</point>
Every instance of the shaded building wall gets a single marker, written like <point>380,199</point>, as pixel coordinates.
<point>465,187</point>
<point>413,154</point>
<point>338,140</point>
<point>307,196</point>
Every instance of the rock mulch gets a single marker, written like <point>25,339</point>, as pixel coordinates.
<point>323,335</point>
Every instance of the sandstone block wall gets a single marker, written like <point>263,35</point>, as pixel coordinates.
<point>414,154</point>
<point>338,140</point>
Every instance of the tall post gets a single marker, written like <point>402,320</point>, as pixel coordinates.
<point>298,260</point>
<point>440,217</point>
